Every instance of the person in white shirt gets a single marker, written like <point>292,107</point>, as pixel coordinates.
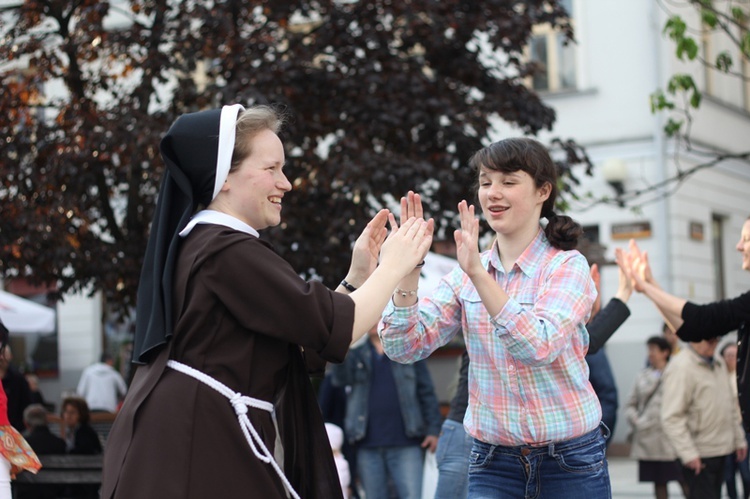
<point>102,386</point>
<point>336,437</point>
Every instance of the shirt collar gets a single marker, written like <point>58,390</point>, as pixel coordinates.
<point>709,361</point>
<point>217,218</point>
<point>529,259</point>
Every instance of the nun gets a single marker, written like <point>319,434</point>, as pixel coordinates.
<point>226,332</point>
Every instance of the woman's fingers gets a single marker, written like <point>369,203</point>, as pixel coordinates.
<point>411,206</point>
<point>418,211</point>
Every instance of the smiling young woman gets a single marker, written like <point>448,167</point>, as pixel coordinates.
<point>522,308</point>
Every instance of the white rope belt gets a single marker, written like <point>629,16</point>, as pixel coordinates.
<point>240,403</point>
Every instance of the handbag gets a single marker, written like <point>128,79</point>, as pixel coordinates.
<point>631,433</point>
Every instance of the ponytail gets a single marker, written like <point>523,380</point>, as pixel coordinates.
<point>562,231</point>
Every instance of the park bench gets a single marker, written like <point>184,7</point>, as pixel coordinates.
<point>65,471</point>
<point>60,472</point>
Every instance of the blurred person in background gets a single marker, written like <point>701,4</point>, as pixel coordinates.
<point>392,417</point>
<point>657,459</point>
<point>697,419</point>
<point>102,386</point>
<point>728,352</point>
<point>80,436</point>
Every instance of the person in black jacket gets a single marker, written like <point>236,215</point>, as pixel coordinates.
<point>695,323</point>
<point>80,437</point>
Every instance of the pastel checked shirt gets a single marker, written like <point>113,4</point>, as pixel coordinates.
<point>528,379</point>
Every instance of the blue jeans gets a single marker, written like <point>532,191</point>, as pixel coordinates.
<point>403,465</point>
<point>452,456</point>
<point>731,467</point>
<point>572,468</point>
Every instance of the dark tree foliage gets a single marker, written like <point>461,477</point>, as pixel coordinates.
<point>382,96</point>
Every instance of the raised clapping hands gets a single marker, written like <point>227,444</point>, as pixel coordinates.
<point>636,265</point>
<point>406,245</point>
<point>411,208</point>
<point>625,284</point>
<point>467,240</point>
<point>399,253</point>
<point>596,276</point>
<point>413,237</point>
<point>367,249</point>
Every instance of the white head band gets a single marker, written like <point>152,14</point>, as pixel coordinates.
<point>227,131</point>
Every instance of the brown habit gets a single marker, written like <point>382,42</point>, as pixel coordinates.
<point>241,314</point>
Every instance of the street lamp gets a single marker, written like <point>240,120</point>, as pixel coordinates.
<point>615,172</point>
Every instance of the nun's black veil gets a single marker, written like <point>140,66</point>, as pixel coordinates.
<point>190,150</point>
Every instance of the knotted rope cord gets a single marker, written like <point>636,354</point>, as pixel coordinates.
<point>240,403</point>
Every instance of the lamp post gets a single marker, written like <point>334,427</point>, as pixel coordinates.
<point>615,172</point>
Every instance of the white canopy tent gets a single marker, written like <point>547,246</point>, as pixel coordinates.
<point>23,316</point>
<point>435,267</point>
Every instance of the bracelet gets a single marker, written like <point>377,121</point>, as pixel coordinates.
<point>406,292</point>
<point>420,264</point>
<point>348,286</point>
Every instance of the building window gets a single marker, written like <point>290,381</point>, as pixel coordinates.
<point>731,87</point>
<point>556,59</point>
<point>717,243</point>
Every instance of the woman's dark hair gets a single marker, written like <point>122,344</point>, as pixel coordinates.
<point>84,416</point>
<point>530,156</point>
<point>3,336</point>
<point>660,343</point>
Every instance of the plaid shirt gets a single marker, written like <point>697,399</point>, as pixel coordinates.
<point>528,379</point>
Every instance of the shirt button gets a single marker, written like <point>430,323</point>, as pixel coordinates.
<point>510,367</point>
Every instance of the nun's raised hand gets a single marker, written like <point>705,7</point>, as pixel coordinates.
<point>467,240</point>
<point>367,248</point>
<point>406,245</point>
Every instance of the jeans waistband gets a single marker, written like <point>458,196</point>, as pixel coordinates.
<point>552,447</point>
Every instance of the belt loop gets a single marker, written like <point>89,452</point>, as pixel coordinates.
<point>551,450</point>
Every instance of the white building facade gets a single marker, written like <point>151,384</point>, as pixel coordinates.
<point>620,58</point>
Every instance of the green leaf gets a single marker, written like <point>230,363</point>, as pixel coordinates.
<point>659,102</point>
<point>672,127</point>
<point>739,15</point>
<point>675,27</point>
<point>680,82</point>
<point>695,99</point>
<point>687,46</point>
<point>745,45</point>
<point>709,18</point>
<point>724,61</point>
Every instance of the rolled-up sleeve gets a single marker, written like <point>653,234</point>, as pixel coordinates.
<point>409,334</point>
